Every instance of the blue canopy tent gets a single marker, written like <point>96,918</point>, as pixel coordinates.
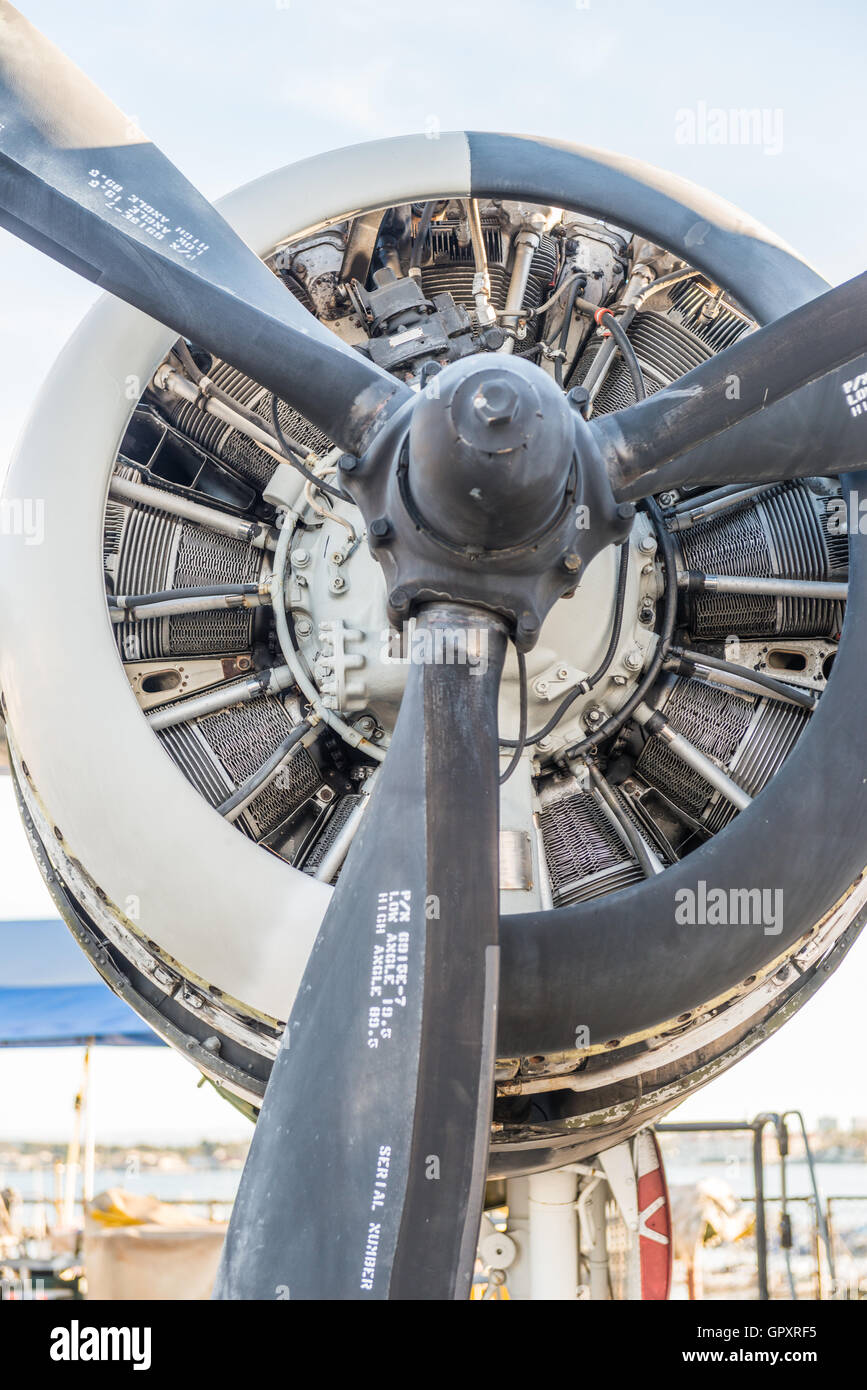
<point>51,996</point>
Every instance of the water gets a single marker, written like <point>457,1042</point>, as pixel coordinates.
<point>834,1179</point>
<point>200,1187</point>
<point>195,1187</point>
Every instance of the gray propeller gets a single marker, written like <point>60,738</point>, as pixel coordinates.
<point>365,1177</point>
<point>80,183</point>
<point>779,403</point>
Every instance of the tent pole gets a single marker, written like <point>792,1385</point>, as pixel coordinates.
<point>73,1153</point>
<point>89,1134</point>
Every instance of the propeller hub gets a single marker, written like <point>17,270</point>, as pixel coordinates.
<point>491,449</point>
<point>485,489</point>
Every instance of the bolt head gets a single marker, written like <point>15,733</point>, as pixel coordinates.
<point>493,338</point>
<point>572,562</point>
<point>497,402</point>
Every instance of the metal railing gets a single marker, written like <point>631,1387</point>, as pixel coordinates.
<point>757,1128</point>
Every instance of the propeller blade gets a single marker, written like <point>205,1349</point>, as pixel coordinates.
<point>80,182</point>
<point>365,1178</point>
<point>783,402</point>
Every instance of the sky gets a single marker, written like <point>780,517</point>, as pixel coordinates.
<point>230,89</point>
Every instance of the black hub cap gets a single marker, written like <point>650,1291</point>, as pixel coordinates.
<point>486,489</point>
<point>491,447</point>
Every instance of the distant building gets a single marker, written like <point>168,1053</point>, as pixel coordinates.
<point>828,1124</point>
<point>859,1124</point>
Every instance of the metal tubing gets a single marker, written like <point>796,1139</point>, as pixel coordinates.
<point>634,841</point>
<point>686,516</point>
<point>629,302</point>
<point>482,278</point>
<point>235,805</point>
<point>169,608</point>
<point>821,1219</point>
<point>688,504</point>
<point>224,697</point>
<point>525,249</point>
<point>338,850</point>
<point>674,277</point>
<point>740,678</point>
<point>761,1224</point>
<point>167,379</point>
<point>750,584</point>
<point>693,757</point>
<point>750,687</point>
<point>253,532</point>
